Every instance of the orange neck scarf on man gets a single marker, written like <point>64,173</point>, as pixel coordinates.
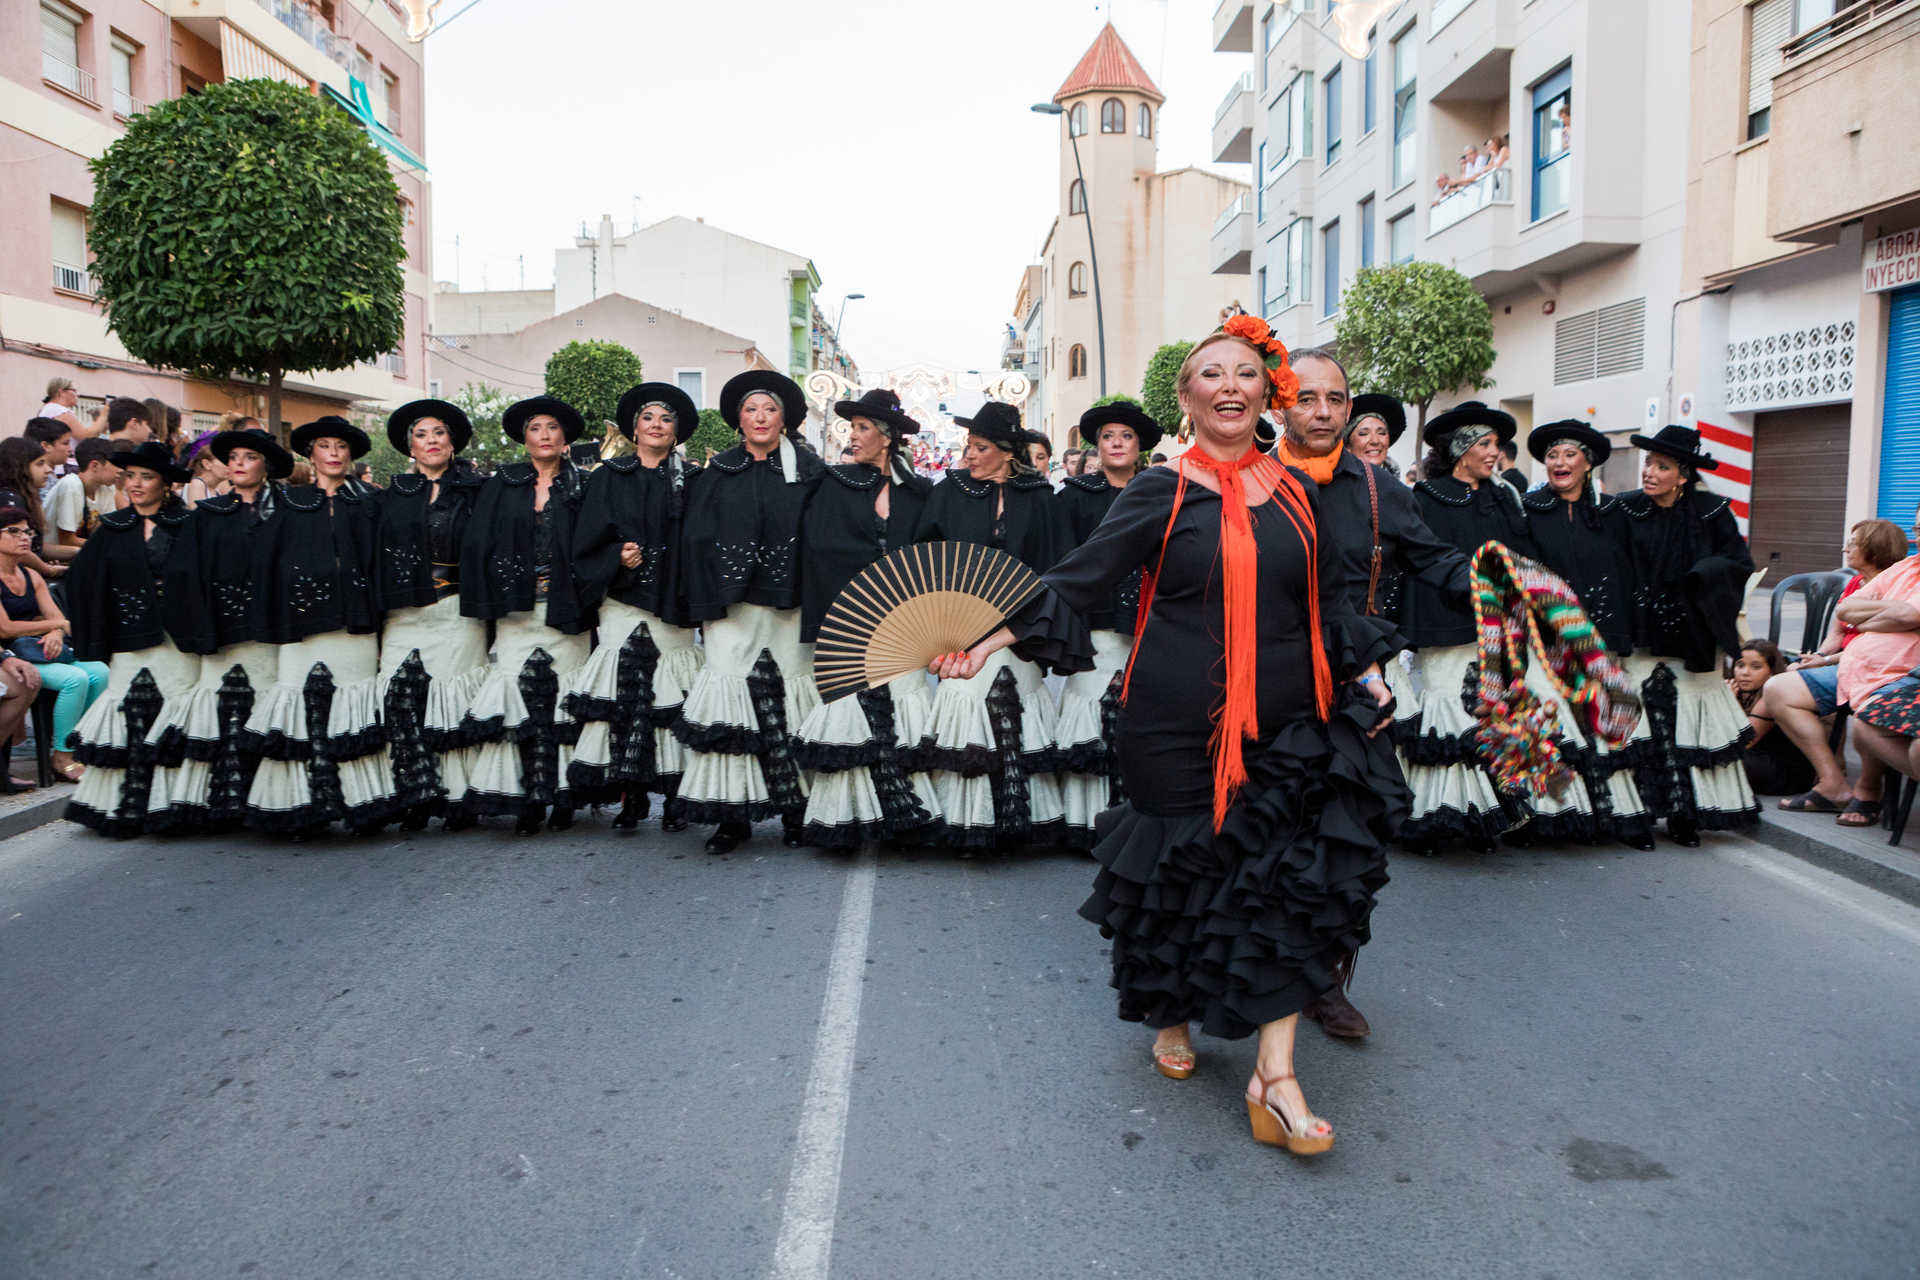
<point>1238,719</point>
<point>1319,469</point>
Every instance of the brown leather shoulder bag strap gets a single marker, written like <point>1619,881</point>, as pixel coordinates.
<point>1373,502</point>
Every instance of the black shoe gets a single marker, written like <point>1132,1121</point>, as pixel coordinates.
<point>561,818</point>
<point>529,823</point>
<point>728,836</point>
<point>670,819</point>
<point>1480,844</point>
<point>461,821</point>
<point>630,813</point>
<point>1641,840</point>
<point>1683,832</point>
<point>416,819</point>
<point>793,837</point>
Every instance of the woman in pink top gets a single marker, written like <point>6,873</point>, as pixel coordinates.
<point>1877,669</point>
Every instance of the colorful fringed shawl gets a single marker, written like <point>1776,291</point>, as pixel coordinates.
<point>1523,609</point>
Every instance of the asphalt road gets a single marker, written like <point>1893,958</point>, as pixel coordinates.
<point>584,1055</point>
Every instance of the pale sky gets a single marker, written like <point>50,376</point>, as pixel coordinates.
<point>889,141</point>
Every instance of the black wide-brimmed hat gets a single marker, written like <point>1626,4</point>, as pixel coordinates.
<point>330,427</point>
<point>686,417</point>
<point>1580,432</point>
<point>514,421</point>
<point>1682,444</point>
<point>1386,408</point>
<point>279,461</point>
<point>1471,414</point>
<point>882,407</point>
<point>1145,429</point>
<point>450,416</point>
<point>997,423</point>
<point>793,404</point>
<point>155,457</point>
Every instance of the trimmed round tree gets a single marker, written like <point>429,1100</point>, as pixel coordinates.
<point>250,230</point>
<point>591,376</point>
<point>1158,394</point>
<point>712,436</point>
<point>1415,331</point>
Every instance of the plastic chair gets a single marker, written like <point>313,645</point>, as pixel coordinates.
<point>1822,592</point>
<point>1899,806</point>
<point>42,717</point>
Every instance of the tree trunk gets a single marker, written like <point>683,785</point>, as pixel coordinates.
<point>274,425</point>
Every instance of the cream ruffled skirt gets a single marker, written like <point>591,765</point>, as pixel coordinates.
<point>111,738</point>
<point>517,725</point>
<point>1083,739</point>
<point>625,699</point>
<point>1690,769</point>
<point>739,718</point>
<point>203,772</point>
<point>989,750</point>
<point>318,734</point>
<point>857,753</point>
<point>432,664</point>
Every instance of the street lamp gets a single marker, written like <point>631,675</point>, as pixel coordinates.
<point>845,298</point>
<point>1093,256</point>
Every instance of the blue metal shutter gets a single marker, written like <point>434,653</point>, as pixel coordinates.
<point>1900,414</point>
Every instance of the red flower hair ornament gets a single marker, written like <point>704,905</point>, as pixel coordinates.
<point>1254,331</point>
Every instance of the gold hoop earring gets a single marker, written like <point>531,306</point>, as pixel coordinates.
<point>1186,425</point>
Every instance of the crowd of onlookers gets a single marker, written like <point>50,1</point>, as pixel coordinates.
<point>1477,160</point>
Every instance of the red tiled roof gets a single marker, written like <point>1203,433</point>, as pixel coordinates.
<point>1109,64</point>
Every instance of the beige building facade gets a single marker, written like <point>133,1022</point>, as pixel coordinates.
<point>1133,227</point>
<point>73,73</point>
<point>1800,338</point>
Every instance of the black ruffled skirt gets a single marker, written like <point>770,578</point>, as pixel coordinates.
<point>1241,927</point>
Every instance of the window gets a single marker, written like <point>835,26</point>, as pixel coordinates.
<point>1260,291</point>
<point>377,87</point>
<point>60,49</point>
<point>1369,87</point>
<point>120,61</point>
<point>1290,120</point>
<point>1769,24</point>
<point>1076,197</point>
<point>1113,116</point>
<point>1552,142</point>
<point>1365,216</point>
<point>70,249</point>
<point>1146,121</point>
<point>1077,361</point>
<point>1400,239</point>
<point>1077,280</point>
<point>390,87</point>
<point>1330,268</point>
<point>1331,90</point>
<point>1267,36</point>
<point>1403,108</point>
<point>693,382</point>
<point>1077,120</point>
<point>1600,344</point>
<point>1290,256</point>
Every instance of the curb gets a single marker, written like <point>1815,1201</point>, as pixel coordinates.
<point>1867,860</point>
<point>35,813</point>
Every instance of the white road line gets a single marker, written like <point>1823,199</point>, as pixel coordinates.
<point>813,1187</point>
<point>1890,914</point>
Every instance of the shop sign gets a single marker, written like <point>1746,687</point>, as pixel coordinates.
<point>1891,262</point>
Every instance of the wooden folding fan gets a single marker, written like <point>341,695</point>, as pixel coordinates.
<point>912,605</point>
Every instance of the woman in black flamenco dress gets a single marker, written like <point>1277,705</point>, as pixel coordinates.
<point>1231,902</point>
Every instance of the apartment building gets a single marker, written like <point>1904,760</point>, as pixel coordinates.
<point>1799,337</point>
<point>73,72</point>
<point>1575,237</point>
<point>1119,277</point>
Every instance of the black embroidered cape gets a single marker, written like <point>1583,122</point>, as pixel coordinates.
<point>741,540</point>
<point>1586,543</point>
<point>1078,508</point>
<point>212,595</point>
<point>840,535</point>
<point>1464,519</point>
<point>507,552</point>
<point>319,577</point>
<point>417,542</point>
<point>627,501</point>
<point>1690,570</point>
<point>962,509</point>
<point>113,587</point>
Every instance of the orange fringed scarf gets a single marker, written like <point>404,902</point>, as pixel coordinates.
<point>1238,719</point>
<point>1319,470</point>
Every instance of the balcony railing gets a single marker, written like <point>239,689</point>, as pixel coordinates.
<point>71,279</point>
<point>1243,85</point>
<point>1445,11</point>
<point>1463,202</point>
<point>395,362</point>
<point>66,76</point>
<point>1854,16</point>
<point>125,105</point>
<point>312,28</point>
<point>1228,214</point>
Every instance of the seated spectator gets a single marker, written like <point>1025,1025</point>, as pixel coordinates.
<point>1775,766</point>
<point>23,469</point>
<point>36,630</point>
<point>1498,152</point>
<point>57,439</point>
<point>19,686</point>
<point>81,497</point>
<point>1799,703</point>
<point>1877,668</point>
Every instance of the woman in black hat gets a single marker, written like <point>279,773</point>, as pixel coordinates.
<point>113,599</point>
<point>990,746</point>
<point>516,571</point>
<point>1464,502</point>
<point>214,603</point>
<point>1374,425</point>
<point>627,696</point>
<point>856,751</point>
<point>1690,569</point>
<point>1581,535</point>
<point>1123,436</point>
<point>432,660</point>
<point>317,730</point>
<point>740,550</point>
